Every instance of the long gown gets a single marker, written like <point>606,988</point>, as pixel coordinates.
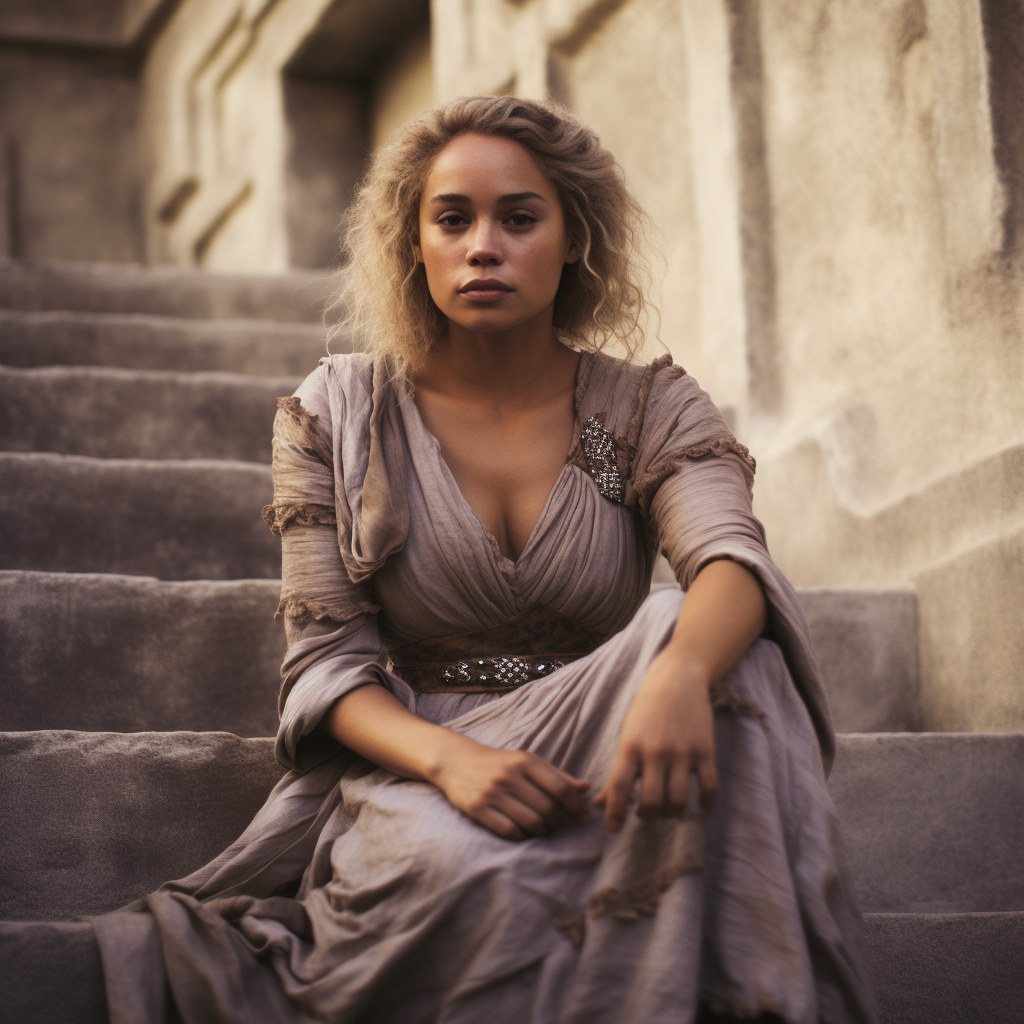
<point>358,896</point>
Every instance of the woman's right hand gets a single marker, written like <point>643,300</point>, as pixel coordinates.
<point>513,793</point>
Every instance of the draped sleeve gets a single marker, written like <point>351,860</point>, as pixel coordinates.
<point>692,482</point>
<point>330,617</point>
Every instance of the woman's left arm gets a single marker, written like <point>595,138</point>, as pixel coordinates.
<point>668,731</point>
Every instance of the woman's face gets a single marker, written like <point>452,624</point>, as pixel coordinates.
<point>491,234</point>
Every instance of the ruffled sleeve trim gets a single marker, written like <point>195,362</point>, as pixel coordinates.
<point>278,516</point>
<point>299,610</point>
<point>647,483</point>
<point>304,428</point>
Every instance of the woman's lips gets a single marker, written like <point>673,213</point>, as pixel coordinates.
<point>485,291</point>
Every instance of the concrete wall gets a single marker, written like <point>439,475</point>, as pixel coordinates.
<point>838,191</point>
<point>404,86</point>
<point>220,133</point>
<point>92,23</point>
<point>215,133</point>
<point>259,119</point>
<point>70,181</point>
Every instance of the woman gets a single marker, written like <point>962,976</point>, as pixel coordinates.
<point>469,515</point>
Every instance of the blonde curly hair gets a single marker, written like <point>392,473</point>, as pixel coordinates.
<point>382,299</point>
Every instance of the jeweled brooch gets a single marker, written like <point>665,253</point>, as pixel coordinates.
<point>599,449</point>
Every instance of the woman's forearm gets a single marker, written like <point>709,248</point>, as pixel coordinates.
<point>724,613</point>
<point>375,724</point>
<point>511,792</point>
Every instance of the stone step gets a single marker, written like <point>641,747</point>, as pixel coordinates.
<point>139,342</point>
<point>295,297</point>
<point>948,968</point>
<point>52,973</point>
<point>144,654</point>
<point>92,821</point>
<point>139,414</point>
<point>932,822</point>
<point>912,807</point>
<point>176,520</point>
<point>866,645</point>
<point>150,654</point>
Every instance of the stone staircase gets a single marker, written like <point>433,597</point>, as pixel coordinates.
<point>140,658</point>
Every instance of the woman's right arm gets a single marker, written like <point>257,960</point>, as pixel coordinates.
<point>513,793</point>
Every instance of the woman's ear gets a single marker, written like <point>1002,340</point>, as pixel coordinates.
<point>416,250</point>
<point>572,253</point>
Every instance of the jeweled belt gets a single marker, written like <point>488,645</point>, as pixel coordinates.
<point>498,658</point>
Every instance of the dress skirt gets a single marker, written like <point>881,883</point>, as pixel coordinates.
<point>409,912</point>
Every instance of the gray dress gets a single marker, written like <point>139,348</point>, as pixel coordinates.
<point>355,895</point>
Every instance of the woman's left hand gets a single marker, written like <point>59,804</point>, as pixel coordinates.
<point>667,734</point>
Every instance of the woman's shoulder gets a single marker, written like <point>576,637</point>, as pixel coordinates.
<point>620,393</point>
<point>652,415</point>
<point>345,385</point>
<point>351,371</point>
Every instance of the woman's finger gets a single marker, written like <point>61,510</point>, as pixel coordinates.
<point>707,775</point>
<point>526,791</point>
<point>500,824</point>
<point>653,789</point>
<point>561,786</point>
<point>532,823</point>
<point>618,787</point>
<point>678,787</point>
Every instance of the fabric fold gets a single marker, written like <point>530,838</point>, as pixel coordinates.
<point>369,460</point>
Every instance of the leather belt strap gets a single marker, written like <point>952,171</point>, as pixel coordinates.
<point>498,658</point>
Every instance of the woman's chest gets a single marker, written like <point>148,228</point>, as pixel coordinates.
<point>504,465</point>
<point>588,557</point>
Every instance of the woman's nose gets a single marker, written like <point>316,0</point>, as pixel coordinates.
<point>483,245</point>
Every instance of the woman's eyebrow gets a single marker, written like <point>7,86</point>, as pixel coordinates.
<point>518,197</point>
<point>511,197</point>
<point>450,197</point>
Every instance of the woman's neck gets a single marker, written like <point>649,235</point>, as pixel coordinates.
<point>519,367</point>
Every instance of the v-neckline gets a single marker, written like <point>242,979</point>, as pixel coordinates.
<point>581,379</point>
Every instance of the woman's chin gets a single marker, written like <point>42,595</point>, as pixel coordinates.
<point>489,324</point>
<point>492,319</point>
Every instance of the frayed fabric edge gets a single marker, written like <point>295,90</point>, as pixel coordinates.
<point>278,516</point>
<point>640,898</point>
<point>624,904</point>
<point>724,701</point>
<point>298,610</point>
<point>727,1009</point>
<point>291,406</point>
<point>648,485</point>
<point>636,421</point>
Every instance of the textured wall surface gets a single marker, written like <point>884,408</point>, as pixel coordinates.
<point>76,22</point>
<point>259,118</point>
<point>70,176</point>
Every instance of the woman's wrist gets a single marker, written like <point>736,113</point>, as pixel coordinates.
<point>441,752</point>
<point>685,667</point>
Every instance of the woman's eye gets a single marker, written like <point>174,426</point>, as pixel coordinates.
<point>451,220</point>
<point>520,220</point>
